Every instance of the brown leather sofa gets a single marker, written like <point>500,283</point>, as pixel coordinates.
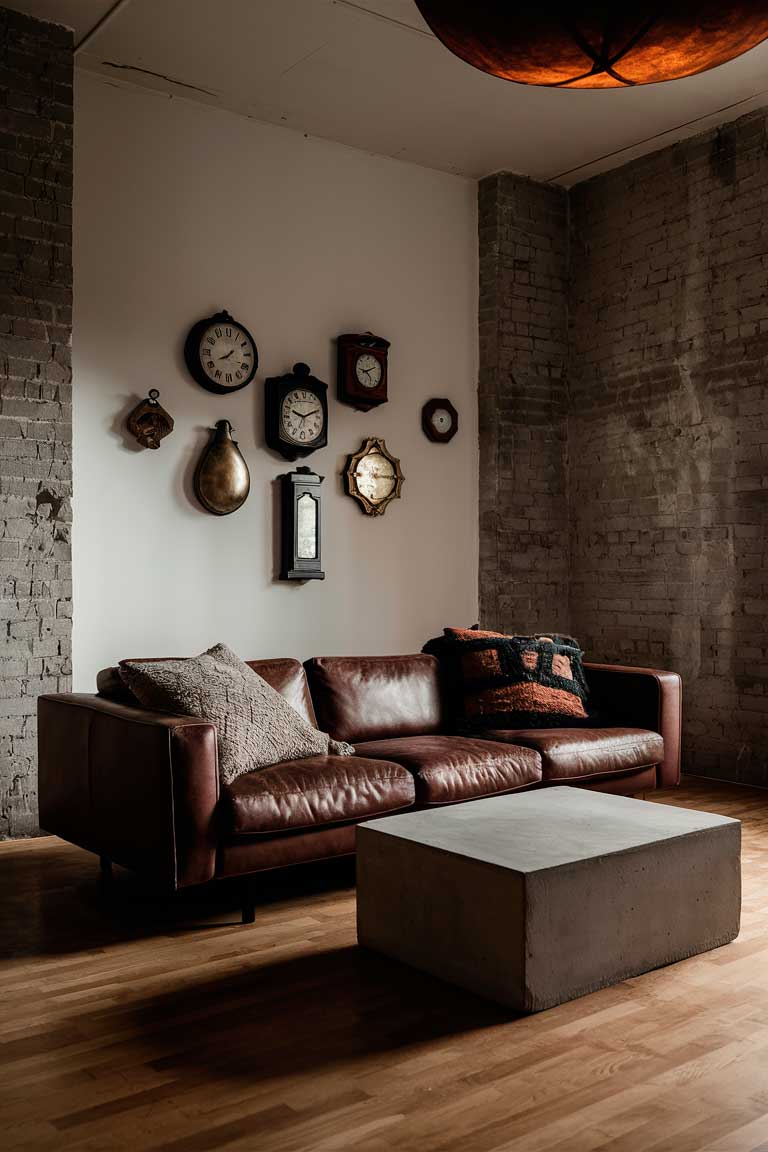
<point>142,789</point>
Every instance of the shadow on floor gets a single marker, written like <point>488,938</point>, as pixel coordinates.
<point>52,901</point>
<point>305,1013</point>
<point>273,1017</point>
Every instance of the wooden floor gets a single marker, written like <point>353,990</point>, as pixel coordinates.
<point>136,1025</point>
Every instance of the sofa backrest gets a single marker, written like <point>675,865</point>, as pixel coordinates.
<point>359,698</point>
<point>284,674</point>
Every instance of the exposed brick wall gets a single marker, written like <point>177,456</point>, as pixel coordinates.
<point>523,346</point>
<point>665,485</point>
<point>35,394</point>
<point>669,431</point>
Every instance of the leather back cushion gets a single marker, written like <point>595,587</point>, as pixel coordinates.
<point>376,697</point>
<point>286,676</point>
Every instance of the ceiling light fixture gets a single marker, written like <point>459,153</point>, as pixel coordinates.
<point>619,43</point>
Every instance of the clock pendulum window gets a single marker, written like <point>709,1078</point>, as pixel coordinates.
<point>300,525</point>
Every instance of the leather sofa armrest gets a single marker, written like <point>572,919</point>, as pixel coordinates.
<point>136,786</point>
<point>642,698</point>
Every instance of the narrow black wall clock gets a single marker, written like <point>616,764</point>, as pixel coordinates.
<point>221,354</point>
<point>301,526</point>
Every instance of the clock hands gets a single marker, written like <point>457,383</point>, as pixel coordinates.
<point>227,355</point>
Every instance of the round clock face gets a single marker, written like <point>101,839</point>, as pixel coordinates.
<point>368,370</point>
<point>441,420</point>
<point>227,354</point>
<point>301,416</point>
<point>375,477</point>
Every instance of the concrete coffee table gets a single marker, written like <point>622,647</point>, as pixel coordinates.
<point>537,898</point>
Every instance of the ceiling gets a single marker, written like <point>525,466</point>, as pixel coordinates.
<point>370,74</point>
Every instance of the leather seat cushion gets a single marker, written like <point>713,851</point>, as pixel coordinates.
<point>452,768</point>
<point>314,792</point>
<point>579,753</point>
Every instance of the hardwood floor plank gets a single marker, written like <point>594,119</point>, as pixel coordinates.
<point>163,1025</point>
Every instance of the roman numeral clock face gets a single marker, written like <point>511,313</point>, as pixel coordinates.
<point>221,354</point>
<point>226,354</point>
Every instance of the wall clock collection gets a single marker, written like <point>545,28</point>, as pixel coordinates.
<point>221,356</point>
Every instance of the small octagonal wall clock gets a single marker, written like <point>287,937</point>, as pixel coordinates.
<point>439,420</point>
<point>221,354</point>
<point>373,477</point>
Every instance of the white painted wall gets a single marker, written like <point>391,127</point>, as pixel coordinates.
<point>181,210</point>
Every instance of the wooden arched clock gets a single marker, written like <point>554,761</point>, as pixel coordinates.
<point>373,477</point>
<point>362,370</point>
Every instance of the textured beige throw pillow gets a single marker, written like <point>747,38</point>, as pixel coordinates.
<point>256,726</point>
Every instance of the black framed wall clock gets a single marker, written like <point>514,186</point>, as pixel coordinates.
<point>220,354</point>
<point>295,413</point>
<point>362,370</point>
<point>439,421</point>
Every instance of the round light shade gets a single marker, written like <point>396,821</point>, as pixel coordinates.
<point>608,45</point>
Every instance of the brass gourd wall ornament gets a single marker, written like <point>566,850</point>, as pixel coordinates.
<point>222,480</point>
<point>149,422</point>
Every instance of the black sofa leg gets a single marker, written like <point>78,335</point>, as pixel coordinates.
<point>248,902</point>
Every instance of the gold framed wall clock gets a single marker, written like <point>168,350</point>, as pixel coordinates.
<point>373,477</point>
<point>221,354</point>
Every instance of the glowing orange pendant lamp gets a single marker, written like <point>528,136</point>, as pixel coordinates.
<point>607,45</point>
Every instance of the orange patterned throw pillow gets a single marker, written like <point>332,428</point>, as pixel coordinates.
<point>498,681</point>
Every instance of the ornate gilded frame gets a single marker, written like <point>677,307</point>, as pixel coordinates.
<point>372,446</point>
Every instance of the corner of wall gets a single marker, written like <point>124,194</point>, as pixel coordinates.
<point>524,545</point>
<point>35,387</point>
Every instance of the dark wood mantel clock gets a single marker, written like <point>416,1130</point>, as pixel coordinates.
<point>362,370</point>
<point>301,525</point>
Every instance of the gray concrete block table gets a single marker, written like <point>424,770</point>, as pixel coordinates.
<point>536,898</point>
